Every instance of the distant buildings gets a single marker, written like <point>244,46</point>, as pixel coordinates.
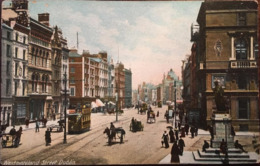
<point>36,64</point>
<point>164,92</point>
<point>224,49</point>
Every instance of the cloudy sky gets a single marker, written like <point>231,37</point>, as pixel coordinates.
<point>148,37</point>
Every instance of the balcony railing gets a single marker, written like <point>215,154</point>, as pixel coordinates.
<point>238,64</point>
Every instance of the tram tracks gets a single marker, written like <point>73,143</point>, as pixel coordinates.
<point>38,154</point>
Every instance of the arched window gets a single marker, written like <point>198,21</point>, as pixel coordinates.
<point>241,49</point>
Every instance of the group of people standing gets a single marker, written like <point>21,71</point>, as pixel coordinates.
<point>178,144</point>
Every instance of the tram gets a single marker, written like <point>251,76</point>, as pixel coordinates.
<point>79,119</point>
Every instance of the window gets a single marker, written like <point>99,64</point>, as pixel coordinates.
<point>16,36</point>
<point>241,19</point>
<point>256,51</point>
<point>8,86</point>
<point>24,86</point>
<point>8,68</point>
<point>15,88</point>
<point>24,52</point>
<point>24,39</point>
<point>23,70</point>
<point>72,91</point>
<point>8,35</point>
<point>72,60</point>
<point>241,49</point>
<point>16,52</point>
<point>72,70</point>
<point>72,80</point>
<point>243,108</point>
<point>16,69</point>
<point>8,50</point>
<point>21,110</point>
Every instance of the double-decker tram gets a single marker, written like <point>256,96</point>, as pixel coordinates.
<point>79,119</point>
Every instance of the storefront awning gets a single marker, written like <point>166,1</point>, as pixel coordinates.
<point>99,103</point>
<point>93,105</point>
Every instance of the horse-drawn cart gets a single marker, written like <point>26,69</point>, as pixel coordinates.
<point>10,141</point>
<point>112,133</point>
<point>151,117</point>
<point>136,126</point>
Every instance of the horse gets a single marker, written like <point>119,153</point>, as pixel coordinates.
<point>110,134</point>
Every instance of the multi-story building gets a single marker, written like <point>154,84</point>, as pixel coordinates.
<point>120,84</point>
<point>111,80</point>
<point>16,18</point>
<point>186,78</point>
<point>40,68</point>
<point>170,83</point>
<point>227,51</point>
<point>128,87</point>
<point>64,83</point>
<point>6,75</point>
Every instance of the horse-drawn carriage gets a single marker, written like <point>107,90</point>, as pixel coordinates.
<point>136,126</point>
<point>113,133</point>
<point>160,104</point>
<point>12,139</point>
<point>151,117</point>
<point>143,108</point>
<point>113,111</point>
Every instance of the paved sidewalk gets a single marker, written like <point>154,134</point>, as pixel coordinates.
<point>188,157</point>
<point>31,126</point>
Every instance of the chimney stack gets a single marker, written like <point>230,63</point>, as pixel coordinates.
<point>44,18</point>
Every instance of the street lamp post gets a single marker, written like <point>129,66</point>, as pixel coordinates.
<point>175,86</point>
<point>116,106</point>
<point>65,109</point>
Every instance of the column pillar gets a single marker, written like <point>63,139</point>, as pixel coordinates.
<point>252,48</point>
<point>232,49</point>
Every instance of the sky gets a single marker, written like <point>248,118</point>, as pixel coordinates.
<point>150,38</point>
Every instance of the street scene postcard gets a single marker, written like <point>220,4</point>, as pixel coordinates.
<point>129,82</point>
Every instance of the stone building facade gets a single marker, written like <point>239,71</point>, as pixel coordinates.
<point>227,51</point>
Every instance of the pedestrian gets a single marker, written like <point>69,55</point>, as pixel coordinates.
<point>181,117</point>
<point>205,146</point>
<point>239,146</point>
<point>27,122</point>
<point>171,134</point>
<point>157,113</point>
<point>187,128</point>
<point>232,131</point>
<point>112,126</point>
<point>179,126</point>
<point>167,117</point>
<point>37,128</point>
<point>47,137</point>
<point>181,145</point>
<point>196,130</point>
<point>175,152</point>
<point>211,132</point>
<point>223,147</point>
<point>176,134</point>
<point>165,138</point>
<point>192,131</point>
<point>182,132</point>
<point>186,119</point>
